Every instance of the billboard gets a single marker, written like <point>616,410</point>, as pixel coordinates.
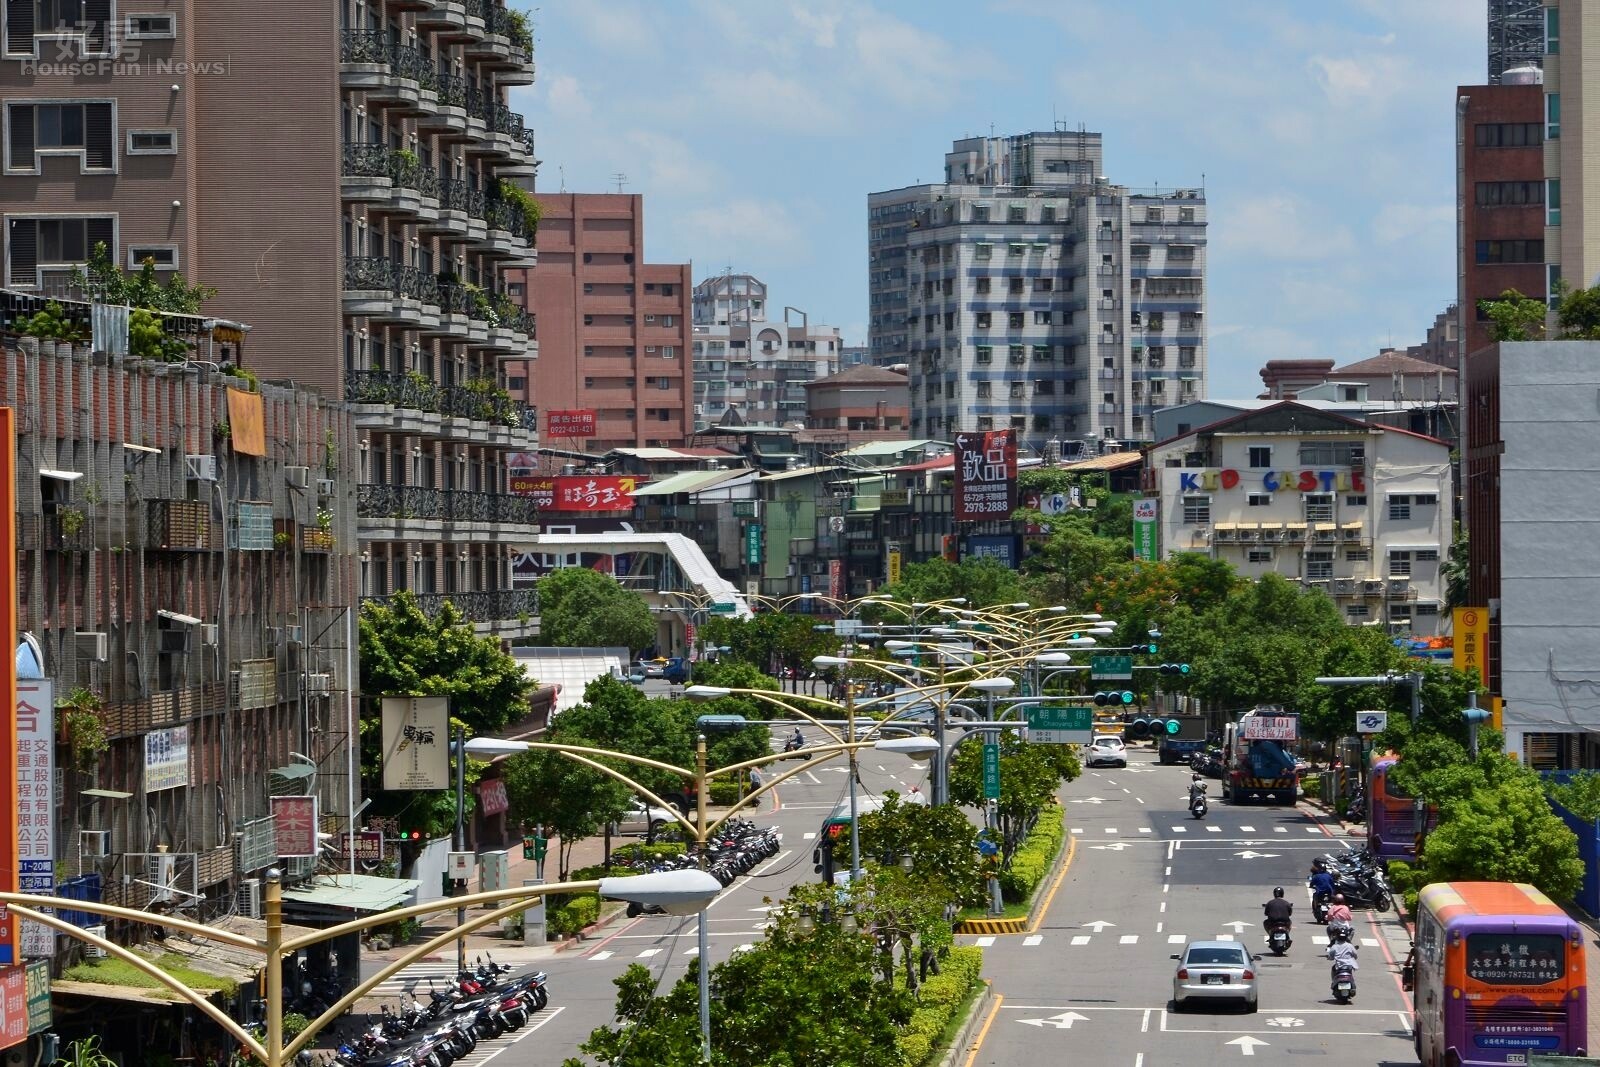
<point>416,744</point>
<point>1001,547</point>
<point>296,820</point>
<point>567,492</point>
<point>1146,544</point>
<point>1471,642</point>
<point>1271,728</point>
<point>986,475</point>
<point>572,422</point>
<point>892,571</point>
<point>166,759</point>
<point>836,579</point>
<point>36,807</point>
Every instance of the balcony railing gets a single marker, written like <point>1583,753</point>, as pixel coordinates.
<point>448,505</point>
<point>381,161</point>
<point>458,195</point>
<point>376,48</point>
<point>472,401</point>
<point>488,606</point>
<point>368,273</point>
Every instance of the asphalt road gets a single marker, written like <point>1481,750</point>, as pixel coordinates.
<point>1093,983</point>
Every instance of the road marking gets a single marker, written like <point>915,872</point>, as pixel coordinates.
<point>1176,939</point>
<point>1128,791</point>
<point>1248,855</point>
<point>977,1044</point>
<point>1167,873</point>
<point>1130,939</point>
<point>814,779</point>
<point>1144,829</point>
<point>1111,829</point>
<point>1247,829</point>
<point>1032,940</point>
<point>1247,1044</point>
<point>1167,888</point>
<point>1099,925</point>
<point>1115,846</point>
<point>1087,800</point>
<point>1214,829</point>
<point>1279,830</point>
<point>1285,1021</point>
<point>1370,942</point>
<point>598,956</point>
<point>1313,830</point>
<point>1180,829</point>
<point>1080,939</point>
<point>1144,1028</point>
<point>1077,829</point>
<point>647,953</point>
<point>1163,907</point>
<point>1159,926</point>
<point>1319,939</point>
<point>544,1017</point>
<point>984,942</point>
<point>746,947</point>
<point>1139,799</point>
<point>691,951</point>
<point>1063,1021</point>
<point>1224,937</point>
<point>810,836</point>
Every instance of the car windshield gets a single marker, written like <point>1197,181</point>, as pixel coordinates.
<point>1107,742</point>
<point>1231,956</point>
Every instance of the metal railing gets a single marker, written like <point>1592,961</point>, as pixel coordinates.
<point>381,161</point>
<point>489,605</point>
<point>368,273</point>
<point>449,505</point>
<point>484,403</point>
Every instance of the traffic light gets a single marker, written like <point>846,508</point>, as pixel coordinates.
<point>1113,699</point>
<point>1138,729</point>
<point>1152,649</point>
<point>1174,668</point>
<point>1474,716</point>
<point>1173,726</point>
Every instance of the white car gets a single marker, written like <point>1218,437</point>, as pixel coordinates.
<point>1106,751</point>
<point>643,819</point>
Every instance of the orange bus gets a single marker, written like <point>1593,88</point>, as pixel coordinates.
<point>1500,976</point>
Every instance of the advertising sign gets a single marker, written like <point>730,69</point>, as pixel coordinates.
<point>1061,725</point>
<point>892,571</point>
<point>1471,637</point>
<point>1001,548</point>
<point>258,844</point>
<point>36,981</point>
<point>369,846</point>
<point>985,475</point>
<point>1146,537</point>
<point>36,808</point>
<point>416,744</point>
<point>752,544</point>
<point>568,492</point>
<point>166,759</point>
<point>836,579</point>
<point>572,422</point>
<point>9,785</point>
<point>492,797</point>
<point>1271,728</point>
<point>13,1006</point>
<point>297,826</point>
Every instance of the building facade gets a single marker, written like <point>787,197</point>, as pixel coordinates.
<point>860,400</point>
<point>1571,125</point>
<point>751,365</point>
<point>1358,511</point>
<point>351,184</point>
<point>616,329</point>
<point>1027,291</point>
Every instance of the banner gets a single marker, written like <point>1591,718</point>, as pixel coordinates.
<point>892,571</point>
<point>36,807</point>
<point>13,1006</point>
<point>752,544</point>
<point>9,784</point>
<point>566,492</point>
<point>416,744</point>
<point>492,799</point>
<point>836,579</point>
<point>166,759</point>
<point>369,845</point>
<point>247,422</point>
<point>296,819</point>
<point>573,422</point>
<point>1000,547</point>
<point>985,475</point>
<point>1146,539</point>
<point>1472,642</point>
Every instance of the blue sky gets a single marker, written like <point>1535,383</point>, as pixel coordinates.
<point>1323,131</point>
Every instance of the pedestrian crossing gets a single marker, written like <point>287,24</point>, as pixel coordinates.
<point>1113,831</point>
<point>415,979</point>
<point>1081,940</point>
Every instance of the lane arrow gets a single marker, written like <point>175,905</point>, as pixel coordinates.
<point>1247,1044</point>
<point>1238,926</point>
<point>1116,847</point>
<point>1249,855</point>
<point>1098,926</point>
<point>1285,1021</point>
<point>1087,800</point>
<point>1063,1021</point>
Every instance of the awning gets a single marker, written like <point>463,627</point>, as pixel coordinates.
<point>293,771</point>
<point>1226,526</point>
<point>1272,526</point>
<point>1353,525</point>
<point>178,617</point>
<point>61,476</point>
<point>1295,526</point>
<point>141,448</point>
<point>1248,526</point>
<point>136,994</point>
<point>334,896</point>
<point>1324,527</point>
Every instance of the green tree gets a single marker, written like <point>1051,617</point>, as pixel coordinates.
<point>1514,317</point>
<point>983,582</point>
<point>769,640</point>
<point>1579,314</point>
<point>573,802</point>
<point>1029,777</point>
<point>1457,571</point>
<point>104,279</point>
<point>941,841</point>
<point>726,747</point>
<point>582,608</point>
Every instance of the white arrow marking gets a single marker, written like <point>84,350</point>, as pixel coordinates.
<point>1286,1021</point>
<point>1087,800</point>
<point>1033,939</point>
<point>598,956</point>
<point>1247,1044</point>
<point>1248,855</point>
<point>1099,926</point>
<point>1115,846</point>
<point>1238,925</point>
<point>691,952</point>
<point>764,907</point>
<point>1063,1021</point>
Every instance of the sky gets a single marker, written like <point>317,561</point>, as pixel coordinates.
<point>1322,130</point>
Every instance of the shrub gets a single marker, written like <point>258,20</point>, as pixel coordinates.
<point>724,793</point>
<point>573,914</point>
<point>938,998</point>
<point>1031,863</point>
<point>642,851</point>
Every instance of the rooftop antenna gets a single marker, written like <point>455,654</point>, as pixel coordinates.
<point>562,170</point>
<point>621,179</point>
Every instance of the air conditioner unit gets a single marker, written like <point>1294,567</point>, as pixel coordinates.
<point>209,634</point>
<point>319,683</point>
<point>299,477</point>
<point>699,409</point>
<point>95,952</point>
<point>159,870</point>
<point>249,898</point>
<point>201,468</point>
<point>174,642</point>
<point>325,487</point>
<point>93,646</point>
<point>94,842</point>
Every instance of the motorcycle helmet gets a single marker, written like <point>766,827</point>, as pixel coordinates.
<point>1278,892</point>
<point>1338,898</point>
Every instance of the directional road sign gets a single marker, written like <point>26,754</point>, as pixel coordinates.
<point>1061,725</point>
<point>1248,1044</point>
<point>1063,1021</point>
<point>991,772</point>
<point>1111,668</point>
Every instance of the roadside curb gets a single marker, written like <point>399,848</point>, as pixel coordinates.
<point>991,926</point>
<point>1057,875</point>
<point>979,1011</point>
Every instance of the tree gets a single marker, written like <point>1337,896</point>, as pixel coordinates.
<point>1514,317</point>
<point>1457,571</point>
<point>572,801</point>
<point>1579,314</point>
<point>1029,777</point>
<point>942,843</point>
<point>582,608</point>
<point>769,640</point>
<point>726,747</point>
<point>983,582</point>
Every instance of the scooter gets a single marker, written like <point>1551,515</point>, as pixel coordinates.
<point>1344,983</point>
<point>1278,937</point>
<point>1198,806</point>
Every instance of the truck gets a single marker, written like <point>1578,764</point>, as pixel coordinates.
<point>1258,758</point>
<point>1190,738</point>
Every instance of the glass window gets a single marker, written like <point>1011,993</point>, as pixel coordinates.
<point>1196,510</point>
<point>1399,564</point>
<point>1259,555</point>
<point>1258,500</point>
<point>1260,456</point>
<point>1552,31</point>
<point>1552,195</point>
<point>1552,116</point>
<point>1319,566</point>
<point>1319,507</point>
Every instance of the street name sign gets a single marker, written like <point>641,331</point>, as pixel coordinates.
<point>1061,725</point>
<point>1111,668</point>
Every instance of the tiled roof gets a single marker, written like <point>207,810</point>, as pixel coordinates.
<point>1390,363</point>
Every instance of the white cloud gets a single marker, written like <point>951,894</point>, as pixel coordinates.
<point>745,224</point>
<point>1407,222</point>
<point>906,63</point>
<point>565,97</point>
<point>1276,227</point>
<point>823,26</point>
<point>614,25</point>
<point>661,165</point>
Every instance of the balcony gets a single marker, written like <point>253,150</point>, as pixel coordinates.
<point>385,291</point>
<point>448,116</point>
<point>419,513</point>
<point>181,526</point>
<point>402,403</point>
<point>390,182</point>
<point>502,612</point>
<point>390,75</point>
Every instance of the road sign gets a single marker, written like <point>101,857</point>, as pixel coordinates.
<point>1061,725</point>
<point>1372,722</point>
<point>987,845</point>
<point>724,607</point>
<point>1111,668</point>
<point>991,772</point>
<point>1063,1021</point>
<point>847,627</point>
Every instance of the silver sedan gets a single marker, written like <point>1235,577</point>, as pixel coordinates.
<point>1214,970</point>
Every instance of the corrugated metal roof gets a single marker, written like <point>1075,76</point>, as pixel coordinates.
<point>689,482</point>
<point>803,472</point>
<point>1111,461</point>
<point>892,448</point>
<point>361,892</point>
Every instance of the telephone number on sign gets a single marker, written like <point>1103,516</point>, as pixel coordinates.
<point>987,505</point>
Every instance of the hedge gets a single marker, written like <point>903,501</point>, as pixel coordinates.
<point>724,793</point>
<point>1031,863</point>
<point>629,853</point>
<point>573,914</point>
<point>938,999</point>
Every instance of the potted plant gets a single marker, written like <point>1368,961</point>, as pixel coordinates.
<point>82,725</point>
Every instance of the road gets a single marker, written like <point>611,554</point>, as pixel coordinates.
<point>1093,983</point>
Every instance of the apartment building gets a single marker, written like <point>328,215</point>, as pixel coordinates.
<point>1357,510</point>
<point>1027,291</point>
<point>1572,231</point>
<point>615,339</point>
<point>752,365</point>
<point>351,185</point>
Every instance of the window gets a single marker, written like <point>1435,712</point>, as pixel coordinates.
<point>1016,249</point>
<point>1357,555</point>
<point>1014,320</point>
<point>1018,390</point>
<point>1047,213</point>
<point>981,286</point>
<point>588,288</point>
<point>983,252</point>
<point>1509,194</point>
<point>152,142</point>
<point>1399,563</point>
<point>1399,507</point>
<point>154,27</point>
<point>1017,353</point>
<point>32,243</point>
<point>1427,555</point>
<point>669,352</point>
<point>1552,31</point>
<point>1333,453</point>
<point>1156,322</point>
<point>1044,388</point>
<point>985,354</point>
<point>666,320</point>
<point>1552,194</point>
<point>1043,353</point>
<point>87,130</point>
<point>1427,609</point>
<point>1014,285</point>
<point>165,257</point>
<point>1319,507</point>
<point>1196,510</point>
<point>1041,318</point>
<point>980,212</point>
<point>1258,500</point>
<point>983,320</point>
<point>1260,456</point>
<point>1016,213</point>
<point>1358,501</point>
<point>1319,566</point>
<point>1043,423</point>
<point>1044,285</point>
<point>1356,611</point>
<point>588,320</point>
<point>1139,251</point>
<point>1152,214</point>
<point>668,290</point>
<point>1552,116</point>
<point>1259,555</point>
<point>664,383</point>
<point>1508,135</point>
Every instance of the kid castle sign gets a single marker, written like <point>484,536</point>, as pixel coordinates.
<point>1353,480</point>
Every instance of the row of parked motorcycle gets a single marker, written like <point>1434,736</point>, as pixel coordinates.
<point>1358,877</point>
<point>479,1004</point>
<point>739,845</point>
<point>1207,762</point>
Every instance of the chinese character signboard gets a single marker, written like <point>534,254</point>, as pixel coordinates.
<point>1002,548</point>
<point>492,798</point>
<point>369,846</point>
<point>836,579</point>
<point>37,983</point>
<point>752,544</point>
<point>296,819</point>
<point>258,844</point>
<point>991,772</point>
<point>1060,725</point>
<point>604,492</point>
<point>166,759</point>
<point>1146,544</point>
<point>1271,728</point>
<point>1471,637</point>
<point>892,571</point>
<point>36,847</point>
<point>1111,668</point>
<point>576,422</point>
<point>416,744</point>
<point>986,475</point>
<point>13,1006</point>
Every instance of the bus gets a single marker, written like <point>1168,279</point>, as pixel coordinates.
<point>1499,976</point>
<point>1391,814</point>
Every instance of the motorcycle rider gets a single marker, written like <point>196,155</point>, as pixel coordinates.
<point>1343,954</point>
<point>1278,911</point>
<point>797,741</point>
<point>1197,788</point>
<point>1321,883</point>
<point>1340,922</point>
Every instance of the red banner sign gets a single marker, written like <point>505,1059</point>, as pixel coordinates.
<point>986,475</point>
<point>492,797</point>
<point>836,579</point>
<point>13,1006</point>
<point>575,422</point>
<point>295,820</point>
<point>603,492</point>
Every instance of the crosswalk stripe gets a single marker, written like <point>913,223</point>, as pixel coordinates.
<point>1111,829</point>
<point>1144,829</point>
<point>984,942</point>
<point>1032,939</point>
<point>1077,829</point>
<point>647,953</point>
<point>1370,942</point>
<point>691,952</point>
<point>1080,939</point>
<point>1319,939</point>
<point>1180,829</point>
<point>1279,830</point>
<point>1130,939</point>
<point>598,956</point>
<point>1248,829</point>
<point>1214,829</point>
<point>1313,830</point>
<point>1176,939</point>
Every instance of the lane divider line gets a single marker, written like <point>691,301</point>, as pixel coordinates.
<point>977,1044</point>
<point>1061,876</point>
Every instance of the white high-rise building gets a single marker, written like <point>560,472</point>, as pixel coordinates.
<point>752,366</point>
<point>1026,291</point>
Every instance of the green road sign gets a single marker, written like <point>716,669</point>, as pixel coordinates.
<point>1055,725</point>
<point>991,772</point>
<point>723,607</point>
<point>1111,668</point>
